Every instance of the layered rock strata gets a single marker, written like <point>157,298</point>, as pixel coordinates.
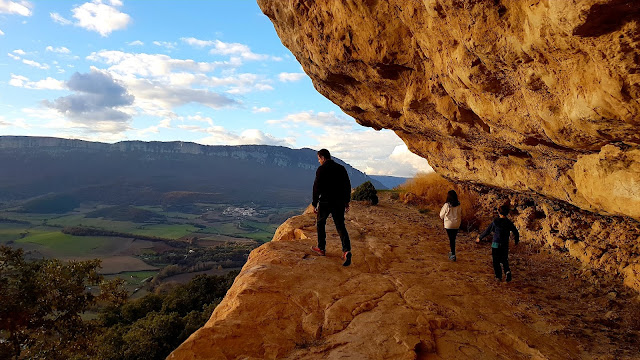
<point>403,299</point>
<point>533,96</point>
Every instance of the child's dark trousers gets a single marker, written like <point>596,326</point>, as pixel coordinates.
<point>500,256</point>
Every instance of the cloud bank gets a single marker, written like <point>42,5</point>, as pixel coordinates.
<point>96,102</point>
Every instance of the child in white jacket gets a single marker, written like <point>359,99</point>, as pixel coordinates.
<point>452,216</point>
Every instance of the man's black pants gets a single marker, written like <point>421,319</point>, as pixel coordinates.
<point>337,212</point>
<point>500,256</point>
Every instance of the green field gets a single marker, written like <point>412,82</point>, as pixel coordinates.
<point>80,220</point>
<point>261,226</point>
<point>168,231</point>
<point>41,234</point>
<point>52,242</point>
<point>169,214</point>
<point>135,277</point>
<point>259,231</point>
<point>66,245</point>
<point>32,218</point>
<point>10,232</point>
<point>227,228</point>
<point>260,236</point>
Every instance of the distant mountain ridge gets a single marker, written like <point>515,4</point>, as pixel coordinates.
<point>140,172</point>
<point>389,181</point>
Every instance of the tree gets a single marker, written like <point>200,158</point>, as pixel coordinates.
<point>153,337</point>
<point>41,303</point>
<point>365,192</point>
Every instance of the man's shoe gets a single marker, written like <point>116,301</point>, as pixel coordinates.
<point>508,276</point>
<point>347,258</point>
<point>318,251</point>
<point>498,279</point>
<point>452,257</point>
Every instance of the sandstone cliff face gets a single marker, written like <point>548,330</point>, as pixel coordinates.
<point>403,299</point>
<point>534,96</point>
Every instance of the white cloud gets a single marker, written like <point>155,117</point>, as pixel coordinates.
<point>258,137</point>
<point>241,83</point>
<point>46,84</point>
<point>154,65</point>
<point>371,151</point>
<point>198,43</point>
<point>101,131</point>
<point>325,120</point>
<point>59,19</point>
<point>60,50</point>
<point>198,118</point>
<point>165,44</point>
<point>14,57</point>
<point>22,8</point>
<point>101,18</point>
<point>161,83</point>
<point>19,52</point>
<point>153,97</point>
<point>43,114</point>
<point>191,128</point>
<point>405,158</point>
<point>222,48</point>
<point>164,124</point>
<point>36,64</point>
<point>1,32</point>
<point>219,136</point>
<point>136,43</point>
<point>19,123</point>
<point>291,77</point>
<point>263,109</point>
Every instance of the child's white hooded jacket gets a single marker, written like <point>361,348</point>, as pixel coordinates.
<point>452,216</point>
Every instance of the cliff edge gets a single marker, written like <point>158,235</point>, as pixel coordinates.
<point>403,299</point>
<point>533,96</point>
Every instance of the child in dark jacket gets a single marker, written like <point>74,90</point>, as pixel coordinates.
<point>502,229</point>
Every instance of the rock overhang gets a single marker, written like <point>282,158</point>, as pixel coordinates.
<point>531,96</point>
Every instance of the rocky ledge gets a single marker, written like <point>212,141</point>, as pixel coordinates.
<point>403,299</point>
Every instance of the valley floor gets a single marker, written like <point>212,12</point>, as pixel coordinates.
<point>403,299</point>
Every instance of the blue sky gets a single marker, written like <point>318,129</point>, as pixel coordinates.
<point>211,72</point>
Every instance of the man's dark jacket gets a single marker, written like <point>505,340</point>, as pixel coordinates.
<point>332,184</point>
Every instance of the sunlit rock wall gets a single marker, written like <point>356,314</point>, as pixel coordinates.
<point>528,95</point>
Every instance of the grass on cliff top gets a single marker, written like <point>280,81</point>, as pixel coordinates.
<point>429,191</point>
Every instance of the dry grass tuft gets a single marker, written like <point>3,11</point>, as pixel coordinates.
<point>429,190</point>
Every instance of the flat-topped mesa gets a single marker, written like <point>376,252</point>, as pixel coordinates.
<point>532,96</point>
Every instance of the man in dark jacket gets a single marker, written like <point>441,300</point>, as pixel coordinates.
<point>502,229</point>
<point>331,195</point>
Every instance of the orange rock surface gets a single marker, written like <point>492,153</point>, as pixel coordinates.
<point>533,96</point>
<point>403,299</point>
